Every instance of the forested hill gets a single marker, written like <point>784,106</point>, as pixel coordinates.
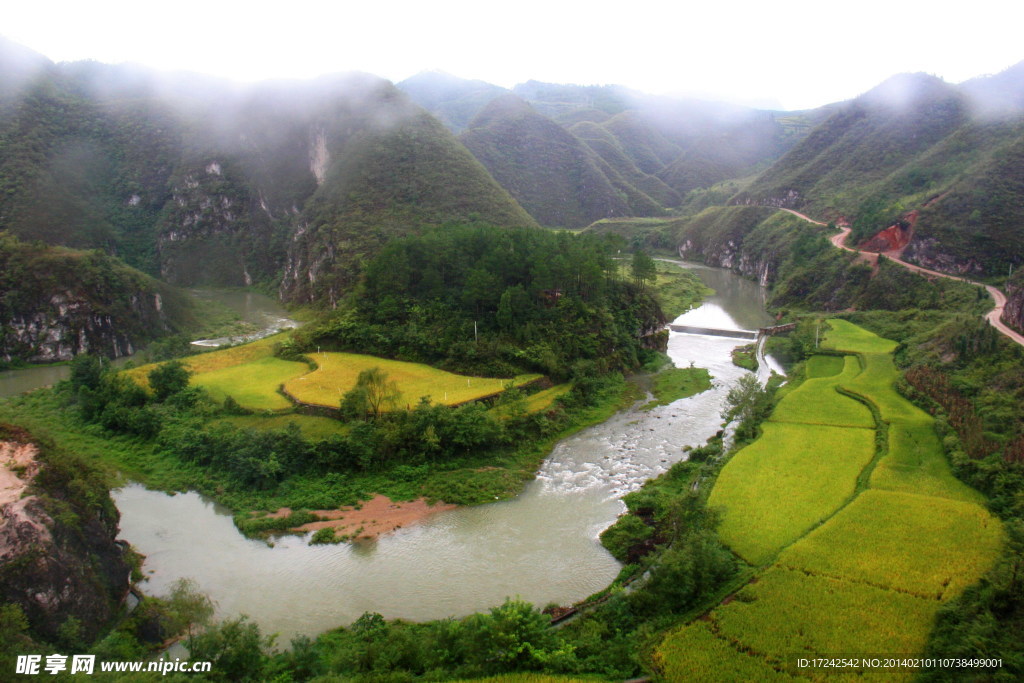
<point>201,181</point>
<point>941,162</point>
<point>651,150</point>
<point>554,175</point>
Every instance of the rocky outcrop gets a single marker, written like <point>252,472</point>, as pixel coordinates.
<point>66,326</point>
<point>759,267</point>
<point>732,237</point>
<point>1013,311</point>
<point>56,303</point>
<point>929,253</point>
<point>214,231</point>
<point>58,555</point>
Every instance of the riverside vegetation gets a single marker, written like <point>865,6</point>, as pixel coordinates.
<point>490,300</point>
<point>684,545</point>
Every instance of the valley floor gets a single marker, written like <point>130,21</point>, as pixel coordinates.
<point>860,530</point>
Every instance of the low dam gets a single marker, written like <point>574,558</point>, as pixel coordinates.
<point>734,334</point>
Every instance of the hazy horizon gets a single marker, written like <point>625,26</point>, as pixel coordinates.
<point>803,56</point>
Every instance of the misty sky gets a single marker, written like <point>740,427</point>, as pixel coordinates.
<point>795,54</point>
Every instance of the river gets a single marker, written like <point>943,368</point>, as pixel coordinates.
<point>262,312</point>
<point>541,546</point>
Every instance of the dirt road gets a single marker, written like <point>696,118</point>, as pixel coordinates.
<point>994,316</point>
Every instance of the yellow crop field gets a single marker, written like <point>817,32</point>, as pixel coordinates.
<point>217,360</point>
<point>916,463</point>
<point>933,547</point>
<point>542,400</point>
<point>777,488</point>
<point>252,384</point>
<point>820,615</point>
<point>872,577</point>
<point>825,366</point>
<point>694,653</point>
<point>337,374</point>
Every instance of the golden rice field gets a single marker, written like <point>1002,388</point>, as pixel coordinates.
<point>779,487</point>
<point>916,463</point>
<point>825,366</point>
<point>253,384</point>
<point>871,578</point>
<point>821,615</point>
<point>845,336</point>
<point>928,546</point>
<point>337,374</point>
<point>540,401</point>
<point>252,376</point>
<point>694,653</point>
<point>217,360</point>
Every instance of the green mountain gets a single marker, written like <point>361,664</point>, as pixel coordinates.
<point>201,181</point>
<point>557,178</point>
<point>652,149</point>
<point>942,161</point>
<point>393,178</point>
<point>454,101</point>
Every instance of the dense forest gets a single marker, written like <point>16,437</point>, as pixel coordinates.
<point>496,301</point>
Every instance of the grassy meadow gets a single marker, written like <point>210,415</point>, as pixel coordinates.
<point>864,562</point>
<point>673,384</point>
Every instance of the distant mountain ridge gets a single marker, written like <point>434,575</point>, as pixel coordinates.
<point>294,183</point>
<point>651,150</point>
<point>201,181</point>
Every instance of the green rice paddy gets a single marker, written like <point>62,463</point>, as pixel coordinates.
<point>778,488</point>
<point>872,575</point>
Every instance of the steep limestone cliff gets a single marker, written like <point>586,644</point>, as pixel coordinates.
<point>56,303</point>
<point>729,237</point>
<point>58,555</point>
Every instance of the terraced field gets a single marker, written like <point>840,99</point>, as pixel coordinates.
<point>337,373</point>
<point>249,373</point>
<point>252,376</point>
<point>870,574</point>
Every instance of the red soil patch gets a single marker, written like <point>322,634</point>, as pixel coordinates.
<point>894,239</point>
<point>374,517</point>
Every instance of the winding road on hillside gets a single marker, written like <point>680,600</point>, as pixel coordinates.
<point>994,316</point>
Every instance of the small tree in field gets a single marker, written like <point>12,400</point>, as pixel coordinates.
<point>373,394</point>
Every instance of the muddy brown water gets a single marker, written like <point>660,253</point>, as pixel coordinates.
<point>541,546</point>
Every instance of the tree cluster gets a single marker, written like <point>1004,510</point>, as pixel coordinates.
<point>494,301</point>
